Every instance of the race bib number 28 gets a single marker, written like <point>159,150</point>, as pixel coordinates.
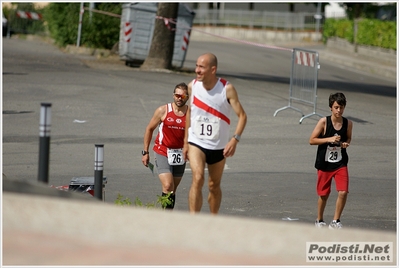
<point>207,127</point>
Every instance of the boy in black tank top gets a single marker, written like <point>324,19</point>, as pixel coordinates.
<point>333,135</point>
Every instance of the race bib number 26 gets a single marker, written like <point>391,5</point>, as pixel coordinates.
<point>175,157</point>
<point>207,128</point>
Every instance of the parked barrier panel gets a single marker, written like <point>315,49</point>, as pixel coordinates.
<point>24,22</point>
<point>303,81</point>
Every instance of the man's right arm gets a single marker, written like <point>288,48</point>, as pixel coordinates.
<point>154,122</point>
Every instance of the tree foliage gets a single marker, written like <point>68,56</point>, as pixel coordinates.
<point>98,31</point>
<point>365,10</point>
<point>377,33</point>
<point>371,32</point>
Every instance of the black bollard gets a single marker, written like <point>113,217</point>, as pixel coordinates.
<point>44,146</point>
<point>98,171</point>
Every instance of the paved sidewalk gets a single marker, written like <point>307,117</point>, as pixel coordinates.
<point>71,232</point>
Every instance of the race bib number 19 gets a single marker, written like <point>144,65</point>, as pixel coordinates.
<point>207,128</point>
<point>175,157</point>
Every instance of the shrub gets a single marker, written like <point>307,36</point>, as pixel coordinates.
<point>97,31</point>
<point>370,32</point>
<point>377,33</point>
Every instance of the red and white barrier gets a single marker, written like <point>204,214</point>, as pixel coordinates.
<point>29,15</point>
<point>127,30</point>
<point>305,58</point>
<point>186,39</point>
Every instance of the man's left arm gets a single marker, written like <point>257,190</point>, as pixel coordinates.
<point>232,96</point>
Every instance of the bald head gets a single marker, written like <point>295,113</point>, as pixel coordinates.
<point>206,68</point>
<point>211,59</point>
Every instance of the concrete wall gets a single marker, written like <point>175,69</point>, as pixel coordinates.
<point>254,35</point>
<point>259,6</point>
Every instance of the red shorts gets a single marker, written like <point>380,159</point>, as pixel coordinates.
<point>324,179</point>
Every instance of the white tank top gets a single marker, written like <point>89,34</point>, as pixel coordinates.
<point>210,116</point>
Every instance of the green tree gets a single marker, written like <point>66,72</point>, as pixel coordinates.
<point>62,22</point>
<point>365,10</point>
<point>101,31</point>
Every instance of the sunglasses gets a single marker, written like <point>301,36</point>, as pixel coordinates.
<point>182,96</point>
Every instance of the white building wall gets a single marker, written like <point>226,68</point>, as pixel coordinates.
<point>334,10</point>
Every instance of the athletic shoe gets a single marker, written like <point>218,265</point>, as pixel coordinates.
<point>320,224</point>
<point>335,225</point>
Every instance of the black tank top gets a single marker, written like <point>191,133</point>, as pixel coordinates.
<point>331,156</point>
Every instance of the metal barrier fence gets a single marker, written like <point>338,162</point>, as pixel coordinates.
<point>303,81</point>
<point>25,22</point>
<point>257,19</point>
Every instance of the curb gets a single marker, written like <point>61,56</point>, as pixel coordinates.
<point>97,52</point>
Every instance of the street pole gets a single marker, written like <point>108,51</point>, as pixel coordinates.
<point>81,11</point>
<point>318,17</point>
<point>44,146</point>
<point>98,171</point>
<point>91,7</point>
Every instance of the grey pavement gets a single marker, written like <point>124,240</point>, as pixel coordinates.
<point>270,178</point>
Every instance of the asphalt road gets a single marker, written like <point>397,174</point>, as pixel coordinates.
<point>270,177</point>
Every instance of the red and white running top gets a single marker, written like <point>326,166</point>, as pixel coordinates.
<point>170,132</point>
<point>210,115</point>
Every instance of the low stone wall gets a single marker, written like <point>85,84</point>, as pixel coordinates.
<point>208,33</point>
<point>98,52</point>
